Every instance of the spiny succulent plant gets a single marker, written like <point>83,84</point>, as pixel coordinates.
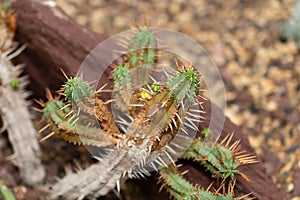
<point>221,160</point>
<point>142,49</point>
<point>157,122</point>
<point>13,104</point>
<point>181,189</point>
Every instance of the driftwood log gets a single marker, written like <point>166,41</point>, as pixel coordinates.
<point>55,41</point>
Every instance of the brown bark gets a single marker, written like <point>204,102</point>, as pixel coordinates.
<point>54,41</point>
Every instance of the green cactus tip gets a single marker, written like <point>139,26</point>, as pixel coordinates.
<point>15,83</point>
<point>5,6</point>
<point>76,89</point>
<point>122,76</point>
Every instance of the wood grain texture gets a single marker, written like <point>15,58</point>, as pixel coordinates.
<point>54,41</point>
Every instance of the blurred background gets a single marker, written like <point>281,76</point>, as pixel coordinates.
<point>260,68</point>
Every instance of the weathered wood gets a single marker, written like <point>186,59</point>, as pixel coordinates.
<point>54,40</point>
<point>62,43</point>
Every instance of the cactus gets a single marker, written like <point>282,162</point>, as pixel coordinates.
<point>181,189</point>
<point>157,118</point>
<point>142,49</point>
<point>13,105</point>
<point>221,160</point>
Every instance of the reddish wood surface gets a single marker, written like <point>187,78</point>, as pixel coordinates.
<point>54,41</point>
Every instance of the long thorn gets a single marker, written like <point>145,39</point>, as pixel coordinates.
<point>48,136</point>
